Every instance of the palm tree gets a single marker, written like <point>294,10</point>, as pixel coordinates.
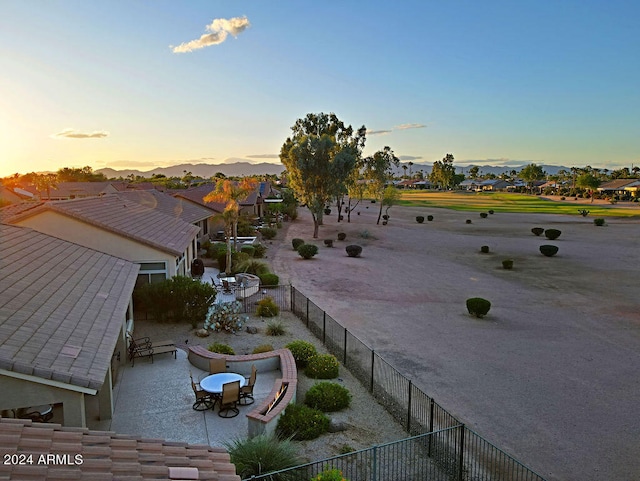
<point>410,165</point>
<point>231,193</point>
<point>404,167</point>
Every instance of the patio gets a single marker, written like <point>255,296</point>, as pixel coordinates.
<point>153,400</point>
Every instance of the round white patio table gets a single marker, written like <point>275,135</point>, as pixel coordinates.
<point>214,382</point>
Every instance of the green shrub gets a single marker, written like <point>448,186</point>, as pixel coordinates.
<point>483,215</point>
<point>484,249</point>
<point>419,219</point>
<point>268,233</point>
<point>262,348</point>
<point>301,422</point>
<point>328,242</point>
<point>429,218</point>
<point>346,449</point>
<point>249,250</point>
<point>330,474</point>
<point>328,397</point>
<point>267,307</point>
<point>221,348</point>
<point>537,230</point>
<point>598,222</point>
<point>275,328</point>
<point>549,250</point>
<point>216,249</point>
<point>224,317</point>
<point>342,236</point>
<point>259,250</point>
<point>251,266</point>
<point>296,242</point>
<point>307,251</point>
<point>478,306</point>
<point>269,279</point>
<point>302,351</point>
<point>322,366</point>
<point>490,211</point>
<point>468,221</point>
<point>353,250</point>
<point>552,234</point>
<point>261,454</point>
<point>507,264</point>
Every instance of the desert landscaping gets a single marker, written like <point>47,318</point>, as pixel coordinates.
<point>549,375</point>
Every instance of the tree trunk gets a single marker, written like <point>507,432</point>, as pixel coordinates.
<point>380,213</point>
<point>348,210</point>
<point>315,225</point>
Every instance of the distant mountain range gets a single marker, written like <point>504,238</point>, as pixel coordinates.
<point>242,169</point>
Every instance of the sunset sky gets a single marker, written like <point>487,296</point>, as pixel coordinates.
<point>144,84</point>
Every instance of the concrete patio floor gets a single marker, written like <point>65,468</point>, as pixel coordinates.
<point>154,400</point>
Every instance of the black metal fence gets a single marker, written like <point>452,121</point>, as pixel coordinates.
<point>281,296</point>
<point>473,457</point>
<point>451,454</point>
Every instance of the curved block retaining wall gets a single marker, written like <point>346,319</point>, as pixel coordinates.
<point>280,359</point>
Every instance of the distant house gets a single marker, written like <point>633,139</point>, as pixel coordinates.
<point>470,184</point>
<point>621,187</point>
<point>63,309</point>
<point>163,245</point>
<point>493,185</point>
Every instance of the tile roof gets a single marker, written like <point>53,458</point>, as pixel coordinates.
<point>127,218</point>
<point>105,455</point>
<point>57,296</point>
<point>167,204</point>
<point>196,195</point>
<point>616,184</point>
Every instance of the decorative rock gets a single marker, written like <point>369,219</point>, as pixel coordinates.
<point>252,330</point>
<point>202,333</point>
<point>337,426</point>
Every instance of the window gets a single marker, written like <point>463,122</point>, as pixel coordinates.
<point>151,272</point>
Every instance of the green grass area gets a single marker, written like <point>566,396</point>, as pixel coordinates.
<point>506,202</point>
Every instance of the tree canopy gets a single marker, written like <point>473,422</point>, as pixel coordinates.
<point>443,172</point>
<point>532,172</point>
<point>319,156</point>
<point>377,173</point>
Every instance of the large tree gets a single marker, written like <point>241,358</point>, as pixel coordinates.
<point>443,172</point>
<point>378,174</point>
<point>231,193</point>
<point>530,173</point>
<point>319,156</point>
<point>589,182</point>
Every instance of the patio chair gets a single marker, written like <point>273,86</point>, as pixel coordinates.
<point>143,347</point>
<point>203,398</point>
<point>246,392</point>
<point>229,400</point>
<point>217,365</point>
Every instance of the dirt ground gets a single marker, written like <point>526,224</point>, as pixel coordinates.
<point>551,375</point>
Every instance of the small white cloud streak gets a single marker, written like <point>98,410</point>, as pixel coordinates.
<point>264,156</point>
<point>409,157</point>
<point>219,29</point>
<point>73,134</point>
<point>409,126</point>
<point>378,132</point>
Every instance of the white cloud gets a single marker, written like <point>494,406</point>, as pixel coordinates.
<point>219,29</point>
<point>409,157</point>
<point>409,126</point>
<point>74,134</point>
<point>378,132</point>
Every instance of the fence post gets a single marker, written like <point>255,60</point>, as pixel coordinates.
<point>431,410</point>
<point>409,409</point>
<point>374,474</point>
<point>307,311</point>
<point>373,359</point>
<point>461,456</point>
<point>324,327</point>
<point>344,356</point>
<point>292,293</point>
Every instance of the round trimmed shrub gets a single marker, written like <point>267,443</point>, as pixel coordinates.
<point>484,249</point>
<point>268,279</point>
<point>598,222</point>
<point>302,351</point>
<point>490,211</point>
<point>328,242</point>
<point>419,219</point>
<point>327,211</point>
<point>552,234</point>
<point>342,236</point>
<point>259,250</point>
<point>322,366</point>
<point>295,242</point>
<point>301,422</point>
<point>353,250</point>
<point>328,397</point>
<point>468,221</point>
<point>507,264</point>
<point>307,251</point>
<point>537,231</point>
<point>477,306</point>
<point>267,307</point>
<point>385,217</point>
<point>249,250</point>
<point>549,250</point>
<point>221,348</point>
<point>429,218</point>
<point>483,215</point>
<point>268,233</point>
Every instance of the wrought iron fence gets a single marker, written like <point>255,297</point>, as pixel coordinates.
<point>465,457</point>
<point>281,296</point>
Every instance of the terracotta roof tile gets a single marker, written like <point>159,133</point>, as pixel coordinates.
<point>106,455</point>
